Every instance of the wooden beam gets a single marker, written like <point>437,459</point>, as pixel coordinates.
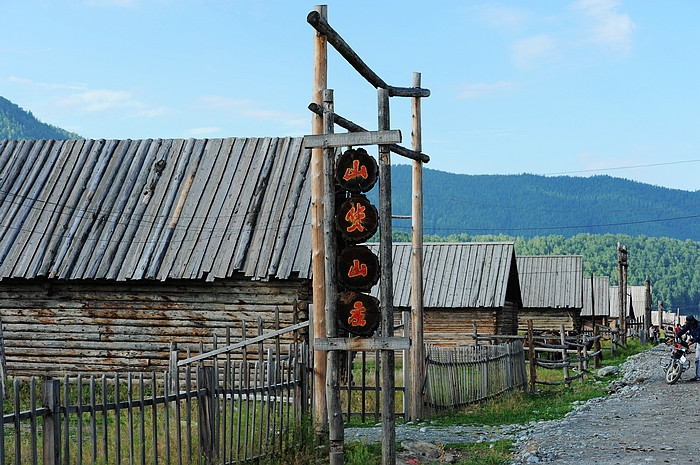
<point>386,287</point>
<point>417,357</point>
<point>317,252</point>
<point>329,140</point>
<point>362,344</point>
<point>318,22</point>
<point>353,127</point>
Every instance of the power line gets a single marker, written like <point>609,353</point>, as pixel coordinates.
<point>649,165</point>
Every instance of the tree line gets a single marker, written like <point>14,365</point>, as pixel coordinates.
<point>18,124</point>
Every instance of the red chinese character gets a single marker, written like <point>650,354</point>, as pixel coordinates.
<point>357,269</point>
<point>357,315</point>
<point>355,216</point>
<point>356,171</point>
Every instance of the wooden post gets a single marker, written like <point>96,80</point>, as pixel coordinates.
<point>386,286</point>
<point>596,346</point>
<point>622,289</point>
<point>614,333</point>
<point>531,355</point>
<point>647,305</point>
<point>661,315</point>
<point>317,249</point>
<point>51,424</point>
<point>335,411</point>
<point>206,415</point>
<point>417,350</point>
<point>592,301</point>
<point>564,353</point>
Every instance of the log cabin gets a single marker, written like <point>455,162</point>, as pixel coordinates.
<point>552,292</point>
<point>596,301</point>
<point>111,250</point>
<point>463,284</point>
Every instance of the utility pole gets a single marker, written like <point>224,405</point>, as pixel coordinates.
<point>622,288</point>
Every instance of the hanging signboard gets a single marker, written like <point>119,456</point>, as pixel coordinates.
<point>357,219</point>
<point>359,313</point>
<point>358,268</point>
<point>356,171</point>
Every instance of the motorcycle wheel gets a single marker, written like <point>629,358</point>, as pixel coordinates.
<point>673,372</point>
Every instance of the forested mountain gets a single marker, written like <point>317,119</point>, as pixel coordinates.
<point>567,215</point>
<point>529,205</point>
<point>15,123</point>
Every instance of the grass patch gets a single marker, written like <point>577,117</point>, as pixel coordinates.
<point>494,453</point>
<point>548,403</point>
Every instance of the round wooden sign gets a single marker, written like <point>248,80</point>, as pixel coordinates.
<point>356,170</point>
<point>357,219</point>
<point>359,313</point>
<point>358,268</point>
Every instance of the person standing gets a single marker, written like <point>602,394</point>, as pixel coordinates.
<point>692,327</point>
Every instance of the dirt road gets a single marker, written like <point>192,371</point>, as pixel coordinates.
<point>645,421</point>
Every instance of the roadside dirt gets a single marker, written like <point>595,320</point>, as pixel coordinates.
<point>645,421</point>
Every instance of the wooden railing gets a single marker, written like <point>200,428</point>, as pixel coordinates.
<point>460,376</point>
<point>213,409</point>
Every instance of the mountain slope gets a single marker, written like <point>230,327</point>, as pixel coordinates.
<point>529,205</point>
<point>16,123</point>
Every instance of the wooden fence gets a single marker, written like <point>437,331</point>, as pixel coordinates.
<point>460,376</point>
<point>208,409</point>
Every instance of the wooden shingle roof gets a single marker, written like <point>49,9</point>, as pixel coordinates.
<point>596,293</point>
<point>551,281</point>
<point>458,275</point>
<point>636,299</point>
<point>154,209</point>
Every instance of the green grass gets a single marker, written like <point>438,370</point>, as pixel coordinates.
<point>548,403</point>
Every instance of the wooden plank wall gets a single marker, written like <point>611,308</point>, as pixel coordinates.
<point>449,327</point>
<point>550,319</point>
<point>53,327</point>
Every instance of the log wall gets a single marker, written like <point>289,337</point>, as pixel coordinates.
<point>550,319</point>
<point>450,327</point>
<point>54,327</point>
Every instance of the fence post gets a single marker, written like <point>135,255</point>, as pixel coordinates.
<point>531,356</point>
<point>596,346</point>
<point>205,407</point>
<point>564,354</point>
<point>51,424</point>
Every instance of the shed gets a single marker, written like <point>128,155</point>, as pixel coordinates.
<point>596,301</point>
<point>636,300</point>
<point>463,283</point>
<point>552,291</point>
<point>112,249</point>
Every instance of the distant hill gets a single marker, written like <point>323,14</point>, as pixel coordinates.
<point>527,205</point>
<point>18,124</point>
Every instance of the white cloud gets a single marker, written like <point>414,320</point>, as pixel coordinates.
<point>606,25</point>
<point>196,132</point>
<point>481,89</point>
<point>503,17</point>
<point>249,109</point>
<point>529,51</point>
<point>99,100</point>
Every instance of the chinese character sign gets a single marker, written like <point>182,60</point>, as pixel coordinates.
<point>356,171</point>
<point>359,313</point>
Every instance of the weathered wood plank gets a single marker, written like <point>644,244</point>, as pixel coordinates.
<point>350,139</point>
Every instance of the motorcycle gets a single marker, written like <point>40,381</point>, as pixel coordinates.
<point>677,363</point>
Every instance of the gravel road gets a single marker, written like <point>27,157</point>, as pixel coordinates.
<point>641,422</point>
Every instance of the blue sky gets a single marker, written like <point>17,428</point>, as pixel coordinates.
<point>579,87</point>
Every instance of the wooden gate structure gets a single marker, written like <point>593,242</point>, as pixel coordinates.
<point>324,142</point>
